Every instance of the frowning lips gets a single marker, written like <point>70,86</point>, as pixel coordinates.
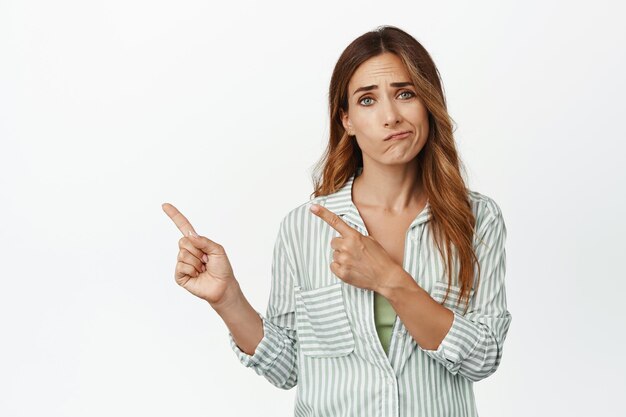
<point>392,134</point>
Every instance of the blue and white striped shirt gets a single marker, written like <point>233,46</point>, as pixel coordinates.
<point>320,334</point>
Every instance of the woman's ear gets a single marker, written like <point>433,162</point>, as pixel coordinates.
<point>345,120</point>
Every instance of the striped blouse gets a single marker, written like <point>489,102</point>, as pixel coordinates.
<point>320,333</point>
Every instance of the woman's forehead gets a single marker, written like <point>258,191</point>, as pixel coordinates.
<point>382,69</point>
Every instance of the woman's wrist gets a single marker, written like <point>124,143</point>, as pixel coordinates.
<point>230,301</point>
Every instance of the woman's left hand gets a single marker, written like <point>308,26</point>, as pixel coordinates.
<point>358,260</point>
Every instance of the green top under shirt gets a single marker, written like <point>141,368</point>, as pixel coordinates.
<point>384,317</point>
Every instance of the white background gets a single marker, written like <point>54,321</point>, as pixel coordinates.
<point>108,109</point>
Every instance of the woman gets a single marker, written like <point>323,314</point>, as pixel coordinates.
<point>388,295</point>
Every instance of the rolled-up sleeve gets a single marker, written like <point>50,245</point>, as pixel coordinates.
<point>275,357</point>
<point>473,345</point>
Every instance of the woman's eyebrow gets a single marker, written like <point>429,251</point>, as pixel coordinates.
<point>373,87</point>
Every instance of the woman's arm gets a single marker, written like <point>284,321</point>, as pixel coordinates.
<point>243,322</point>
<point>469,344</point>
<point>267,343</point>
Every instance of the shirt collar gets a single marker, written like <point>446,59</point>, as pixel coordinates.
<point>340,203</point>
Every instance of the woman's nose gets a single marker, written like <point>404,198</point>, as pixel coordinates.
<point>391,114</point>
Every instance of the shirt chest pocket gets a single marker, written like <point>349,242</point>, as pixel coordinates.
<point>322,322</point>
<point>453,301</point>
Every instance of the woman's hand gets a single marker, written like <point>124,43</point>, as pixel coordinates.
<point>358,260</point>
<point>202,266</point>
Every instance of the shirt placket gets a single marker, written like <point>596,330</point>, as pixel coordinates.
<point>389,407</point>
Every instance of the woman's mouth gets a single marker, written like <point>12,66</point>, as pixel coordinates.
<point>402,135</point>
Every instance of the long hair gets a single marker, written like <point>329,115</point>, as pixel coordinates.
<point>452,220</point>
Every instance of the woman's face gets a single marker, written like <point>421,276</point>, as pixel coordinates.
<point>380,103</point>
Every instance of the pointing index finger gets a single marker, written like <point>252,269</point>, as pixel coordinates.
<point>332,219</point>
<point>177,217</point>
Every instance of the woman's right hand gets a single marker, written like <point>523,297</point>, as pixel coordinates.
<point>202,266</point>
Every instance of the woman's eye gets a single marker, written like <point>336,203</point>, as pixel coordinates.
<point>411,94</point>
